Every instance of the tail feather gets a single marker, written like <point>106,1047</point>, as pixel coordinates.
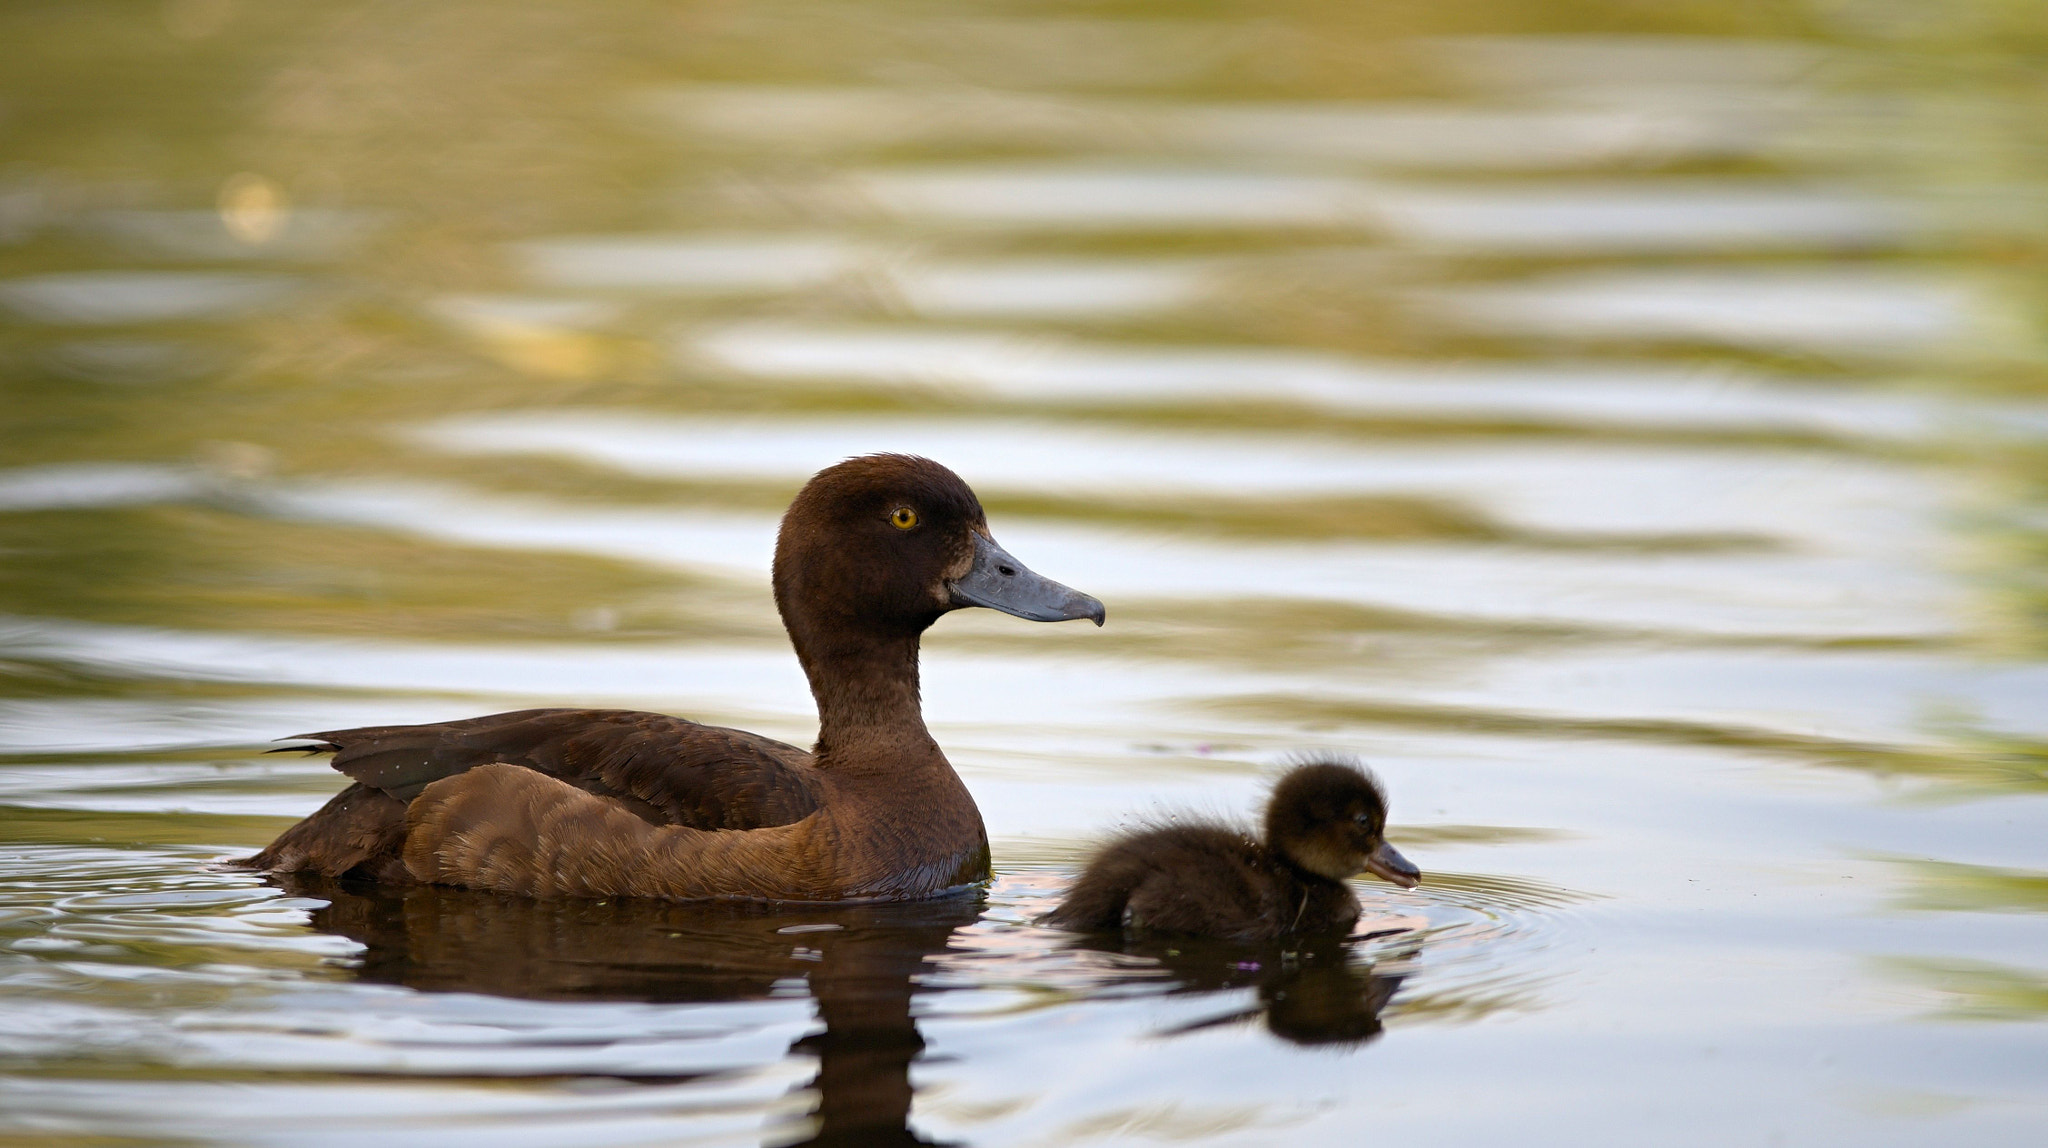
<point>1097,900</point>
<point>308,750</point>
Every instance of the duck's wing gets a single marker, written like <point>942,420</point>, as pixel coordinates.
<point>662,770</point>
<point>665,770</point>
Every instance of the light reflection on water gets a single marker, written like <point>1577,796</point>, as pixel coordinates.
<point>1432,136</point>
<point>1853,311</point>
<point>96,298</point>
<point>1627,435</point>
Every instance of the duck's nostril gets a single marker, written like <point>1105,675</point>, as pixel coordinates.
<point>1007,571</point>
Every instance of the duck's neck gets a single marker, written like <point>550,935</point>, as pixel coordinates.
<point>866,688</point>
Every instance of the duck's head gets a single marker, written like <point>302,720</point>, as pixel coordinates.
<point>885,543</point>
<point>1330,818</point>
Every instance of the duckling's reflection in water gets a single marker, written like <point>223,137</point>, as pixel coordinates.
<point>1311,991</point>
<point>859,961</point>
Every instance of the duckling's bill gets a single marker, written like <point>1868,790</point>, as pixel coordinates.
<point>1387,864</point>
<point>1000,582</point>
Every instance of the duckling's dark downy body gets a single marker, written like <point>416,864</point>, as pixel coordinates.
<point>1325,822</point>
<point>562,802</point>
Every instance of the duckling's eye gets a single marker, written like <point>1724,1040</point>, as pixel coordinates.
<point>904,518</point>
<point>1363,819</point>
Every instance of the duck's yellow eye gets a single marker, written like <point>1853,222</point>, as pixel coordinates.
<point>904,518</point>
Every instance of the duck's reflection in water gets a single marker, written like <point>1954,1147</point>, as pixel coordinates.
<point>861,963</point>
<point>1310,991</point>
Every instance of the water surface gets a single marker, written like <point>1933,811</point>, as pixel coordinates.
<point>1626,430</point>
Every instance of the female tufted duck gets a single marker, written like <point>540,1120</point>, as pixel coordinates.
<point>563,802</point>
<point>1324,823</point>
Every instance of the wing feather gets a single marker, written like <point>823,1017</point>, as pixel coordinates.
<point>664,770</point>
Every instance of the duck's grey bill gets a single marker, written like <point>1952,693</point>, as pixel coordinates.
<point>1387,864</point>
<point>1000,582</point>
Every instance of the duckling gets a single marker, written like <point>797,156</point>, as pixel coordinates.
<point>564,802</point>
<point>1325,822</point>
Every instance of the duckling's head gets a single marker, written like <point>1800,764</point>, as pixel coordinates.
<point>1330,818</point>
<point>885,543</point>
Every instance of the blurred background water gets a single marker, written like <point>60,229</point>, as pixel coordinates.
<point>1625,426</point>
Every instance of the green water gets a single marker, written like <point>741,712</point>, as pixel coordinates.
<point>1624,426</point>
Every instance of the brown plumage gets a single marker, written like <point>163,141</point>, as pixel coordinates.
<point>1325,822</point>
<point>562,802</point>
